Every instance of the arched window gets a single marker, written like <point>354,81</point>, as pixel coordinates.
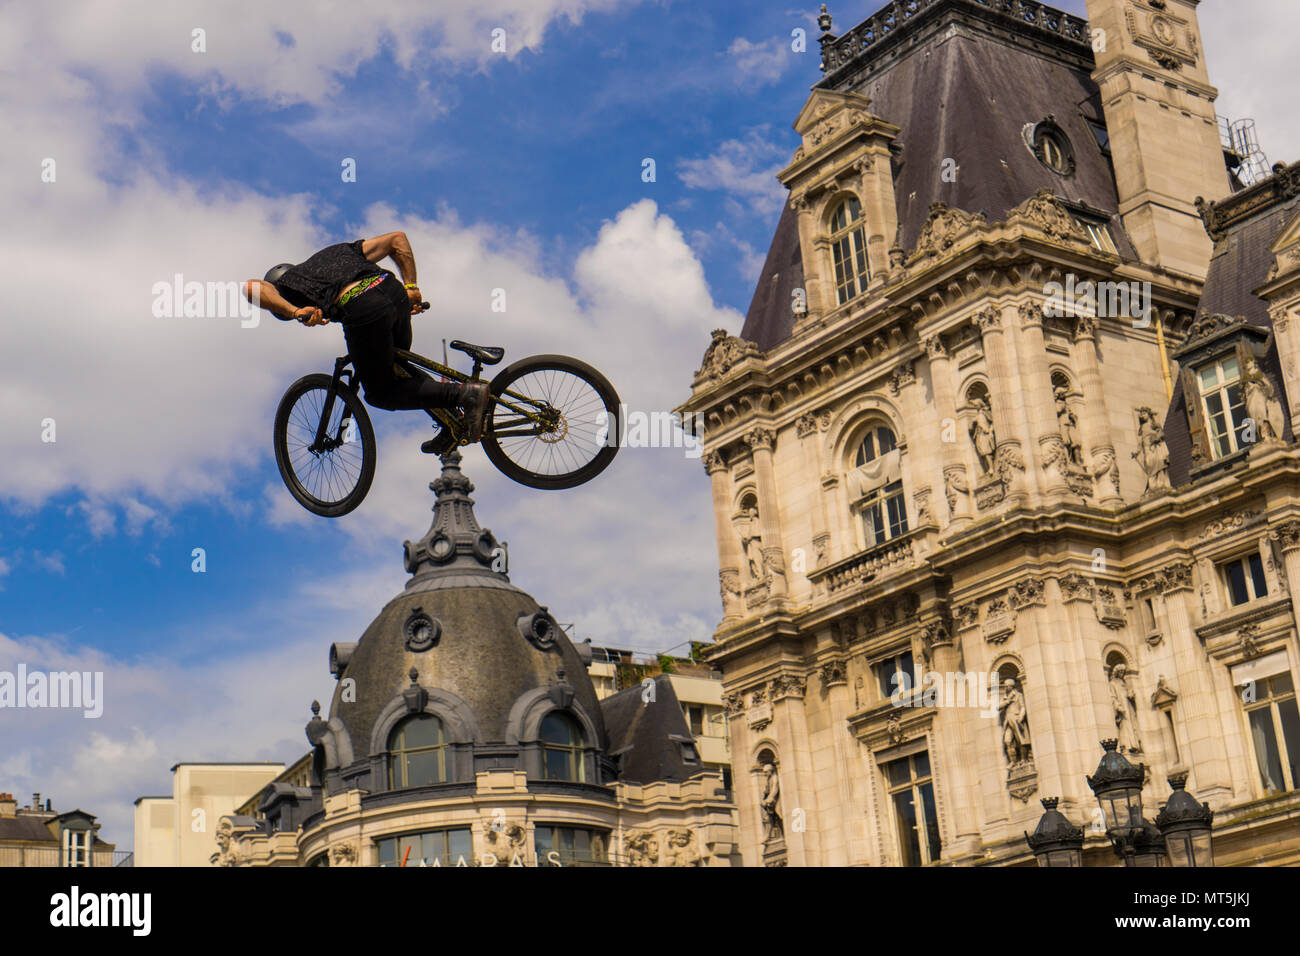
<point>876,487</point>
<point>877,442</point>
<point>849,250</point>
<point>561,748</point>
<point>418,753</point>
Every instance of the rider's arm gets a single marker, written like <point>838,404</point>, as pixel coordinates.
<point>271,300</point>
<point>393,244</point>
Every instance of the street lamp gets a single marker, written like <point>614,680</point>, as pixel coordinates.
<point>1056,841</point>
<point>1117,785</point>
<point>1186,826</point>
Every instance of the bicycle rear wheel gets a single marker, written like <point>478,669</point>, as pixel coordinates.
<point>554,422</point>
<point>332,478</point>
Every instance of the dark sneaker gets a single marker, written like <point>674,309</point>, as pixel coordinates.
<point>474,399</point>
<point>436,445</point>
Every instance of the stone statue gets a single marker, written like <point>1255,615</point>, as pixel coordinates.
<point>1124,702</point>
<point>681,848</point>
<point>770,803</point>
<point>751,543</point>
<point>228,852</point>
<point>1069,427</point>
<point>1152,454</point>
<point>981,434</point>
<point>1015,723</point>
<point>1262,406</point>
<point>642,848</point>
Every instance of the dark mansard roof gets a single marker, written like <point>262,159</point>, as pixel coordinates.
<point>1243,226</point>
<point>648,735</point>
<point>965,94</point>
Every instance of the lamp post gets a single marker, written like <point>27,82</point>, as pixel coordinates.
<point>1056,841</point>
<point>1117,785</point>
<point>1185,825</point>
<point>1179,837</point>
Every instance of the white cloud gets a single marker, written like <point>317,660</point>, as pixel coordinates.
<point>125,45</point>
<point>52,562</point>
<point>745,168</point>
<point>760,64</point>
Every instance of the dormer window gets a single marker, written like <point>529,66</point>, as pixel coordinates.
<point>1048,142</point>
<point>1223,404</point>
<point>561,748</point>
<point>418,753</point>
<point>1098,234</point>
<point>849,250</point>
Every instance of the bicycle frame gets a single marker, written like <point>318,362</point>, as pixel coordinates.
<point>528,421</point>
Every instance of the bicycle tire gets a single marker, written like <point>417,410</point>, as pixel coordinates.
<point>334,507</point>
<point>517,471</point>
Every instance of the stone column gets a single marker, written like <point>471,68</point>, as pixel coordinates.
<point>733,604</point>
<point>820,294</point>
<point>808,428</point>
<point>954,743</point>
<point>902,384</point>
<point>1010,463</point>
<point>1286,331</point>
<point>1287,536</point>
<point>1096,421</point>
<point>761,441</point>
<point>956,486</point>
<point>1198,707</point>
<point>1048,450</point>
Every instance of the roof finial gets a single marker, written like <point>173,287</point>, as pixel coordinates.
<point>824,20</point>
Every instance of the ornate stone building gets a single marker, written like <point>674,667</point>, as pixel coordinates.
<point>1009,422</point>
<point>464,730</point>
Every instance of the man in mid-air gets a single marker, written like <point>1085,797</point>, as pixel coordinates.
<point>343,284</point>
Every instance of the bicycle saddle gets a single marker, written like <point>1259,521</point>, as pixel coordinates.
<point>487,354</point>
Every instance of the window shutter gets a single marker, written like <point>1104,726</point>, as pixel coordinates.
<point>1195,417</point>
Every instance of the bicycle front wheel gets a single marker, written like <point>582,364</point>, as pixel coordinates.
<point>554,422</point>
<point>329,475</point>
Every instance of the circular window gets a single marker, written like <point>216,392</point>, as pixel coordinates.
<point>422,632</point>
<point>1049,144</point>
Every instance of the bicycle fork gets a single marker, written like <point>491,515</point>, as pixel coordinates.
<point>322,442</point>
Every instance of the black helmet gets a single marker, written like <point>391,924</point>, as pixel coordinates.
<point>274,273</point>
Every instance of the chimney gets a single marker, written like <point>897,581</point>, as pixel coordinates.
<point>36,801</point>
<point>8,806</point>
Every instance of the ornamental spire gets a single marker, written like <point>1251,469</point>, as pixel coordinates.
<point>454,543</point>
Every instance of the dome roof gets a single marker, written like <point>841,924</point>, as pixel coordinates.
<point>459,634</point>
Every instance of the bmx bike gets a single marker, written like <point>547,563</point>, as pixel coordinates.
<point>546,425</point>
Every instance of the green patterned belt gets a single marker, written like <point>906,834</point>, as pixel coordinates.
<point>356,290</point>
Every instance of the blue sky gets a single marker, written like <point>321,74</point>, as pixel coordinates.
<point>519,171</point>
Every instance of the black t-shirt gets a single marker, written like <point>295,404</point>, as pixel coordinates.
<point>319,280</point>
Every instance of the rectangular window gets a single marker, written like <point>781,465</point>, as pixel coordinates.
<point>696,717</point>
<point>1098,234</point>
<point>76,847</point>
<point>1274,731</point>
<point>1244,578</point>
<point>911,792</point>
<point>1149,623</point>
<point>431,848</point>
<point>1223,404</point>
<point>884,515</point>
<point>572,846</point>
<point>900,664</point>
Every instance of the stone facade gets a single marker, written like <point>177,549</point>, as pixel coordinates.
<point>942,467</point>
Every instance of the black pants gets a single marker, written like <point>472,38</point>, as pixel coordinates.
<point>375,324</point>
